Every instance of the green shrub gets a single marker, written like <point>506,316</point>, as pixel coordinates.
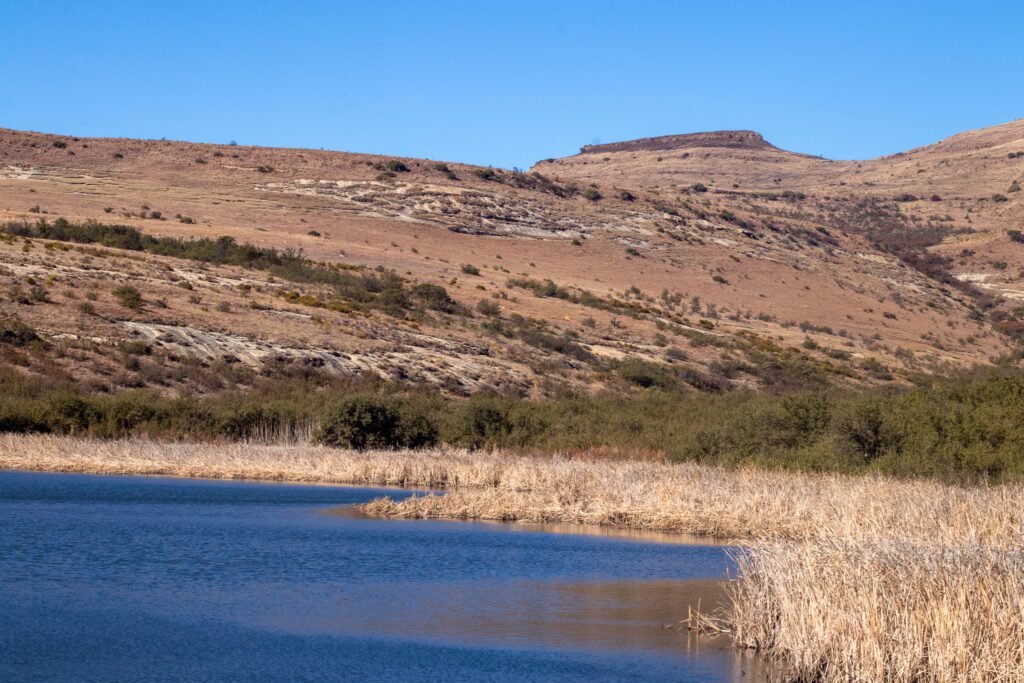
<point>866,432</point>
<point>646,374</point>
<point>362,422</point>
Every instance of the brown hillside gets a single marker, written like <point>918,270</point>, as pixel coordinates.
<point>726,288</point>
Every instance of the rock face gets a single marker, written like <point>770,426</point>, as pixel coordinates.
<point>734,139</point>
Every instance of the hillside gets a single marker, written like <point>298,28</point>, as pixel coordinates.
<point>967,186</point>
<point>588,272</point>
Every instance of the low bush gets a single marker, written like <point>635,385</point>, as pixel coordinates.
<point>362,422</point>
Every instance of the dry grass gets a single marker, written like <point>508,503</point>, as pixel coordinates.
<point>843,578</point>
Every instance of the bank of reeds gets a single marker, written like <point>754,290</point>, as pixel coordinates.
<point>843,578</point>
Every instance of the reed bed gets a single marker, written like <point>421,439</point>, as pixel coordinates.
<point>842,578</point>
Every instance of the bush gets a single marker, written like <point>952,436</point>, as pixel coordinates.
<point>470,269</point>
<point>14,332</point>
<point>444,168</point>
<point>999,198</point>
<point>434,297</point>
<point>492,422</point>
<point>645,374</point>
<point>867,433</point>
<point>396,166</point>
<point>364,422</point>
<point>129,297</point>
<point>488,308</point>
<point>591,194</point>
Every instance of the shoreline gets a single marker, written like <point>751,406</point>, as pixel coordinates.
<point>840,577</point>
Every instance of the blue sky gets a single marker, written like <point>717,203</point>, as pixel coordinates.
<point>509,83</point>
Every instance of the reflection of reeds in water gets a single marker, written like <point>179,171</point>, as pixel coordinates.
<point>861,578</point>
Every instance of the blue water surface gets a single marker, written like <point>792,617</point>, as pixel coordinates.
<point>158,579</point>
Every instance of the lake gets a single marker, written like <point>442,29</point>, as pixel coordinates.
<point>157,579</point>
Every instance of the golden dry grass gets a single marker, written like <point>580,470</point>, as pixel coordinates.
<point>842,578</point>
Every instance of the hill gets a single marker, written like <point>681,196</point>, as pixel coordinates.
<point>609,269</point>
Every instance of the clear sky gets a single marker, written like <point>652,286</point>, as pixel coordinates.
<point>509,83</point>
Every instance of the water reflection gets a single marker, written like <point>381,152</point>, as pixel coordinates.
<point>107,578</point>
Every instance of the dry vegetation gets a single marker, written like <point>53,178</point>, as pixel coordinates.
<point>552,281</point>
<point>844,578</point>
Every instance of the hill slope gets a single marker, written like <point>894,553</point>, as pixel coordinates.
<point>467,278</point>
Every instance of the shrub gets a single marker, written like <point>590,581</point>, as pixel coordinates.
<point>444,168</point>
<point>905,197</point>
<point>591,194</point>
<point>1014,187</point>
<point>719,279</point>
<point>434,297</point>
<point>866,432</point>
<point>999,198</point>
<point>488,308</point>
<point>1016,235</point>
<point>485,173</point>
<point>470,269</point>
<point>490,421</point>
<point>675,353</point>
<point>699,187</point>
<point>626,196</point>
<point>396,166</point>
<point>128,296</point>
<point>59,144</point>
<point>646,374</point>
<point>14,332</point>
<point>366,422</point>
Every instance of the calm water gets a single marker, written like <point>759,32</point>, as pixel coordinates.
<point>148,579</point>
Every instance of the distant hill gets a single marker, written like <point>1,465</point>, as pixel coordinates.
<point>710,260</point>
